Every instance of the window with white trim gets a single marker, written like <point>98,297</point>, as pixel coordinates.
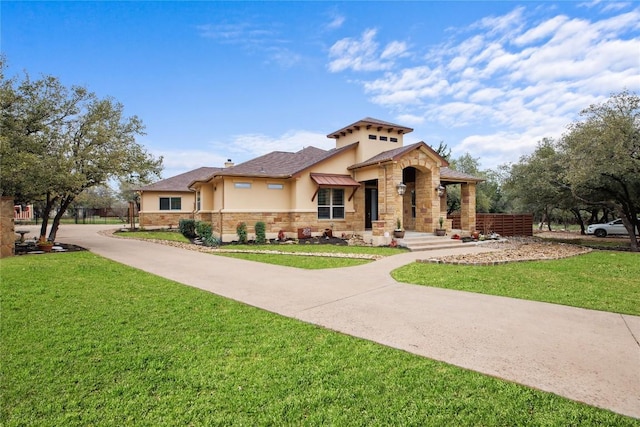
<point>242,184</point>
<point>170,203</point>
<point>331,203</point>
<point>275,186</point>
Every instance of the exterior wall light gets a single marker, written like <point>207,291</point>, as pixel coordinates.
<point>401,188</point>
<point>440,189</point>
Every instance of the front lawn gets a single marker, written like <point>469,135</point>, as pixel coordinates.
<point>87,341</point>
<point>600,280</point>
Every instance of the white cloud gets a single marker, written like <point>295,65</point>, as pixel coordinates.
<point>239,149</point>
<point>363,54</point>
<point>509,81</point>
<point>336,21</point>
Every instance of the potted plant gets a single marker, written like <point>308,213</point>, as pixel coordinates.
<point>398,233</point>
<point>44,245</point>
<point>441,231</point>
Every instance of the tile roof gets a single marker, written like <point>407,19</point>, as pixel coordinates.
<point>181,182</point>
<point>281,164</point>
<point>454,175</point>
<point>369,121</point>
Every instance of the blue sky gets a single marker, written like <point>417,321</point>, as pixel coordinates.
<point>218,80</point>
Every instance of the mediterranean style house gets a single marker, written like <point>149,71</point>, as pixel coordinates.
<point>365,185</point>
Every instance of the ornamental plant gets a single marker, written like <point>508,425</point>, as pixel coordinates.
<point>241,231</point>
<point>261,232</point>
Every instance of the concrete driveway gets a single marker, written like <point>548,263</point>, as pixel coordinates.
<point>584,355</point>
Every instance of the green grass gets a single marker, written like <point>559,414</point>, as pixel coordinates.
<point>173,236</point>
<point>86,341</point>
<point>599,280</point>
<point>298,261</point>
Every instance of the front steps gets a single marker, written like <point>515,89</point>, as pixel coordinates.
<point>428,241</point>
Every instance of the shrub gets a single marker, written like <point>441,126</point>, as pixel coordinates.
<point>241,231</point>
<point>203,229</point>
<point>211,241</point>
<point>188,228</point>
<point>261,228</point>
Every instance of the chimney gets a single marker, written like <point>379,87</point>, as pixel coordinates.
<point>228,163</point>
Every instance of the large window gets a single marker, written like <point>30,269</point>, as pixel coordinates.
<point>331,203</point>
<point>170,203</point>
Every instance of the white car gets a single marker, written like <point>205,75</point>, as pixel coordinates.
<point>611,228</point>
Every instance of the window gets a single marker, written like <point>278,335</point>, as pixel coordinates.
<point>170,203</point>
<point>331,203</point>
<point>198,201</point>
<point>242,184</point>
<point>383,138</point>
<point>373,137</point>
<point>275,186</point>
<point>394,139</point>
<point>413,203</point>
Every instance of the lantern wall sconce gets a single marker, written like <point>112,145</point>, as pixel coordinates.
<point>440,189</point>
<point>401,188</point>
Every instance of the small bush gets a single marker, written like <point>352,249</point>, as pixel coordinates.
<point>203,229</point>
<point>261,228</point>
<point>241,231</point>
<point>211,241</point>
<point>188,228</point>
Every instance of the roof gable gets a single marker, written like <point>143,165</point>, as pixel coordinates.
<point>281,164</point>
<point>181,182</point>
<point>395,154</point>
<point>368,122</point>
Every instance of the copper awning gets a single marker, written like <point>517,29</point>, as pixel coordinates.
<point>333,180</point>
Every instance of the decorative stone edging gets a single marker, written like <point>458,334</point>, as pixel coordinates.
<point>208,249</point>
<point>514,251</point>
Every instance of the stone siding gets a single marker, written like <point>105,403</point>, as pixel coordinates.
<point>7,228</point>
<point>290,222</point>
<point>163,219</point>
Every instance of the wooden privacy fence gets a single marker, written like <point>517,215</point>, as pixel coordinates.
<point>503,224</point>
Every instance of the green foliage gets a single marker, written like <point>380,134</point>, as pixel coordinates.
<point>187,227</point>
<point>58,141</point>
<point>211,241</point>
<point>603,157</point>
<point>203,229</point>
<point>241,231</point>
<point>105,344</point>
<point>261,228</point>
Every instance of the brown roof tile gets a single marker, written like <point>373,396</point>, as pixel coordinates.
<point>454,175</point>
<point>181,182</point>
<point>280,164</point>
<point>369,121</point>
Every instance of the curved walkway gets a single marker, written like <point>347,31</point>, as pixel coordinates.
<point>585,355</point>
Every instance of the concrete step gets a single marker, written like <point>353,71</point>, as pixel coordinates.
<point>427,242</point>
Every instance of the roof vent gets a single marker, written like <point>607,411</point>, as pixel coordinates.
<point>228,163</point>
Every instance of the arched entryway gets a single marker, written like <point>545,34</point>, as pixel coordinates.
<point>419,208</point>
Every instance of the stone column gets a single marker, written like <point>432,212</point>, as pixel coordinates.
<point>468,207</point>
<point>7,228</point>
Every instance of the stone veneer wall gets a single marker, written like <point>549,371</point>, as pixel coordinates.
<point>7,228</point>
<point>163,219</point>
<point>276,221</point>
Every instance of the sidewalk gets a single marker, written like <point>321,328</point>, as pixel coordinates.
<point>585,355</point>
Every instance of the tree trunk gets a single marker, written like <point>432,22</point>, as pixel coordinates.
<point>576,213</point>
<point>64,204</point>
<point>46,213</point>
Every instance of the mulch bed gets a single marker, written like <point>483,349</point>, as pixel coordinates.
<point>30,248</point>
